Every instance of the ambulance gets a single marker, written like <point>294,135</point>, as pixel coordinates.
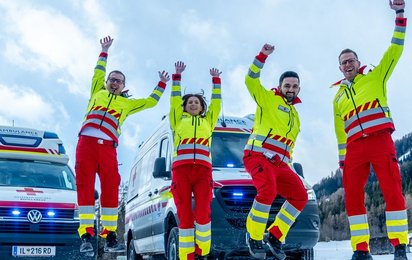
<point>151,224</point>
<point>38,212</point>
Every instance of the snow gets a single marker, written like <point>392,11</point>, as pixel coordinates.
<point>338,250</point>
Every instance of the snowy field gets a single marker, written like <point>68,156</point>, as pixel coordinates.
<point>341,250</point>
<point>335,250</point>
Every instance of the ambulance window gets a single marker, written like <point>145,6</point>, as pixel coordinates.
<point>145,172</point>
<point>164,151</point>
<point>227,149</point>
<point>67,182</point>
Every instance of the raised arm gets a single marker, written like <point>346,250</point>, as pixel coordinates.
<point>213,112</point>
<point>136,105</point>
<point>394,52</point>
<point>100,69</point>
<point>176,101</point>
<point>256,90</point>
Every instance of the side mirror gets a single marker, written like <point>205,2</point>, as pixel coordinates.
<point>159,170</point>
<point>298,168</point>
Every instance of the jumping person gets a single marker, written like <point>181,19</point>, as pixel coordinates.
<point>363,127</point>
<point>192,124</point>
<point>267,158</point>
<point>96,149</point>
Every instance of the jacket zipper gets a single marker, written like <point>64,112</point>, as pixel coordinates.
<point>108,105</point>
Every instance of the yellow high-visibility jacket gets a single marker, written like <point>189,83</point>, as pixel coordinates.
<point>276,124</point>
<point>360,107</point>
<point>193,134</point>
<point>106,111</point>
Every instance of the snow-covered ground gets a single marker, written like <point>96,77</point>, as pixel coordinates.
<point>334,250</point>
<point>338,250</point>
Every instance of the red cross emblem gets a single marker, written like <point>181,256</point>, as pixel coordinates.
<point>30,191</point>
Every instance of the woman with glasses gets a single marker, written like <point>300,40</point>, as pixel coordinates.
<point>108,107</point>
<point>192,124</point>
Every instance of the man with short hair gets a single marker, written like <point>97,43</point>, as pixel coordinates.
<point>96,152</point>
<point>363,127</point>
<point>267,158</point>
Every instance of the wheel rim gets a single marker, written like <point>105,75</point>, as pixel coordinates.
<point>172,250</point>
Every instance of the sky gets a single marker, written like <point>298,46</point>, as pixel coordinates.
<point>48,50</point>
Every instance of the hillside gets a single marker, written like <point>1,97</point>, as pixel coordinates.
<point>330,194</point>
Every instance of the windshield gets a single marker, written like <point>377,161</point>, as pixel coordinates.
<point>20,173</point>
<point>227,149</point>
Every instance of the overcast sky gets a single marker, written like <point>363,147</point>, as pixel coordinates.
<point>48,50</point>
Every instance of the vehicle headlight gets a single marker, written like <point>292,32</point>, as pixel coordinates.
<point>311,194</point>
<point>76,214</point>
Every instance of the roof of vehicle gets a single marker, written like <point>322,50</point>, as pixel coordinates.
<point>31,144</point>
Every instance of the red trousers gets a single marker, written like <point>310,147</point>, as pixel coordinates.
<point>273,178</point>
<point>92,158</point>
<point>379,151</point>
<point>196,179</point>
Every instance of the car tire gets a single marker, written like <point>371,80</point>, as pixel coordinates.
<point>173,244</point>
<point>131,252</point>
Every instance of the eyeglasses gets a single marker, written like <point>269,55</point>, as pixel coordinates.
<point>349,61</point>
<point>114,80</point>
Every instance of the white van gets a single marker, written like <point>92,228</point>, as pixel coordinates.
<point>38,210</point>
<point>151,219</point>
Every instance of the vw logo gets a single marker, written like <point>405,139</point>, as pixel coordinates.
<point>34,216</point>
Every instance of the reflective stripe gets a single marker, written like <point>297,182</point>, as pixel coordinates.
<point>103,124</point>
<point>361,232</point>
<point>289,208</point>
<point>397,41</point>
<point>157,88</point>
<point>342,157</point>
<point>187,232</point>
<point>176,83</point>
<point>192,156</point>
<point>104,113</point>
<point>186,244</point>
<point>403,228</point>
<point>365,113</point>
<point>253,75</point>
<point>193,146</point>
<point>110,211</point>
<point>372,123</point>
<point>203,228</point>
<point>216,96</point>
<point>261,207</point>
<point>271,141</point>
<point>257,219</point>
<point>100,67</point>
<point>109,223</point>
<point>87,222</point>
<point>155,96</point>
<point>285,219</point>
<point>284,159</point>
<point>258,63</point>
<point>86,209</point>
<point>203,239</point>
<point>341,146</point>
<point>358,219</point>
<point>401,29</point>
<point>176,93</point>
<point>216,86</point>
<point>396,215</point>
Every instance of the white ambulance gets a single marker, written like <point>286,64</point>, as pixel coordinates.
<point>151,220</point>
<point>38,211</point>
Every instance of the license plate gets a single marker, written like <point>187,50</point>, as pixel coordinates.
<point>34,251</point>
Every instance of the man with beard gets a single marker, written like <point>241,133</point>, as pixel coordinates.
<point>267,158</point>
<point>363,127</point>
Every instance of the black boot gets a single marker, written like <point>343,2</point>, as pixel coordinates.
<point>86,246</point>
<point>400,252</point>
<point>112,245</point>
<point>275,247</point>
<point>256,248</point>
<point>361,255</point>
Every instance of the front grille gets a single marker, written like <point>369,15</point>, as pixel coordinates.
<point>39,228</point>
<point>60,213</point>
<point>242,204</point>
<point>61,223</point>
